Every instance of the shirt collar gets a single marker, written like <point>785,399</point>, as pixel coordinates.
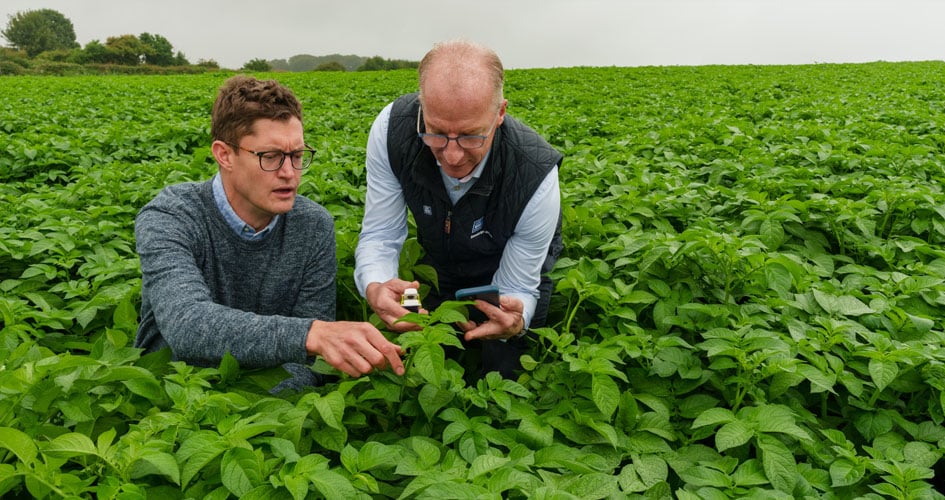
<point>452,182</point>
<point>241,228</point>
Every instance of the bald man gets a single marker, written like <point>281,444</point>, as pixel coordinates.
<point>483,190</point>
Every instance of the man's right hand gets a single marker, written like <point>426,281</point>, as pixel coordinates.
<point>356,348</point>
<point>384,299</point>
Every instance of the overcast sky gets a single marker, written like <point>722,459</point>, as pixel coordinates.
<point>525,33</point>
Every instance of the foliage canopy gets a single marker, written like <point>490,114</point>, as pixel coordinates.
<point>37,31</point>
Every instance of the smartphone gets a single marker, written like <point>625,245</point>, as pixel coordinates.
<point>488,293</point>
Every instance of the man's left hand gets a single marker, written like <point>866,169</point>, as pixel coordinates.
<point>503,322</point>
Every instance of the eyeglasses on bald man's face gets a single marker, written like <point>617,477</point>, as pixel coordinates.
<point>440,141</point>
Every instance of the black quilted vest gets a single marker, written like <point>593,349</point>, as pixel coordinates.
<point>464,243</point>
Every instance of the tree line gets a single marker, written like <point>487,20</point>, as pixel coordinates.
<point>44,42</point>
<point>335,62</point>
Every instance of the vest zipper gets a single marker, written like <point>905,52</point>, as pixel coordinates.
<point>446,223</point>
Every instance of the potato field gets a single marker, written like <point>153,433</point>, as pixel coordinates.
<point>750,302</point>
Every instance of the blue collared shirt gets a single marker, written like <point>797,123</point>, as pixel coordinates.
<point>240,227</point>
<point>384,227</point>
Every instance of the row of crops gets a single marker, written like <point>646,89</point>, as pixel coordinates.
<point>749,304</point>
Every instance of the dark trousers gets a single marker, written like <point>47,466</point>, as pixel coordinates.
<point>483,356</point>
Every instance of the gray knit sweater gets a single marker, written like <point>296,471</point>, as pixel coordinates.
<point>205,291</point>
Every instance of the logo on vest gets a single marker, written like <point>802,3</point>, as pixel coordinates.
<point>427,210</point>
<point>477,230</point>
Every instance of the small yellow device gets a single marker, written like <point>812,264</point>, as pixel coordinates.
<point>410,300</point>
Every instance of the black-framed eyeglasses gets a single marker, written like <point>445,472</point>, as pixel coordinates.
<point>270,161</point>
<point>440,141</point>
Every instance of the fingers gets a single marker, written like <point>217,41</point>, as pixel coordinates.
<point>381,353</point>
<point>391,289</point>
<point>467,325</point>
<point>365,358</point>
<point>354,348</point>
<point>511,304</point>
<point>399,285</point>
<point>384,299</point>
<point>486,331</point>
<point>502,322</point>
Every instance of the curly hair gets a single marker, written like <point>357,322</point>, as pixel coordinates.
<point>243,99</point>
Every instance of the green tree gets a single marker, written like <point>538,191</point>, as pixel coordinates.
<point>303,62</point>
<point>208,63</point>
<point>257,65</point>
<point>331,66</point>
<point>126,49</point>
<point>180,59</point>
<point>279,64</point>
<point>378,63</point>
<point>160,51</point>
<point>95,52</point>
<point>36,31</point>
<point>375,63</point>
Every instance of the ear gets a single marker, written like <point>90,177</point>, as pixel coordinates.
<point>223,153</point>
<point>502,107</point>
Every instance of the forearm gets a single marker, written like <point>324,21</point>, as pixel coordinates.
<point>519,272</point>
<point>376,262</point>
<point>384,226</point>
<point>202,333</point>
